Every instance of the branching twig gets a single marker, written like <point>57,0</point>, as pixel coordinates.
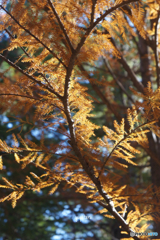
<point>119,218</point>
<point>117,81</point>
<point>10,34</point>
<point>18,95</point>
<point>30,77</point>
<point>118,144</point>
<point>91,27</point>
<point>31,34</point>
<point>89,169</point>
<point>101,95</point>
<point>61,25</point>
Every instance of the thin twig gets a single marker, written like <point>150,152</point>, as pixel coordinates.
<point>118,216</point>
<point>18,95</point>
<point>61,25</point>
<point>117,81</point>
<point>31,34</point>
<point>30,97</point>
<point>91,27</point>
<point>31,77</point>
<point>10,34</point>
<point>118,144</point>
<point>101,95</point>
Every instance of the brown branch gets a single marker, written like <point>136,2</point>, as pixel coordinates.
<point>101,95</point>
<point>18,95</point>
<point>30,77</point>
<point>118,144</point>
<point>61,25</point>
<point>91,27</point>
<point>131,74</point>
<point>88,168</point>
<point>31,34</point>
<point>113,9</point>
<point>119,218</point>
<point>117,81</point>
<point>82,41</point>
<point>10,34</point>
<point>93,10</point>
<point>46,80</point>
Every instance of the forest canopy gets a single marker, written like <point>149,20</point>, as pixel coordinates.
<point>80,85</point>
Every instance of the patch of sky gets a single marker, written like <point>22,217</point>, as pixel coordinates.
<point>81,218</point>
<point>56,237</point>
<point>65,236</point>
<point>82,80</point>
<point>65,213</point>
<point>9,173</point>
<point>35,132</point>
<point>48,215</point>
<point>3,119</point>
<point>64,150</point>
<point>78,217</point>
<point>51,132</point>
<point>58,224</point>
<point>66,206</point>
<point>10,125</point>
<point>60,231</point>
<point>60,203</point>
<point>104,151</point>
<point>90,234</point>
<point>56,194</point>
<point>77,208</point>
<point>40,193</point>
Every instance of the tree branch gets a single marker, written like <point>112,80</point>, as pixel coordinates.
<point>93,10</point>
<point>131,74</point>
<point>61,25</point>
<point>89,169</point>
<point>30,77</point>
<point>101,95</point>
<point>137,84</point>
<point>118,217</point>
<point>91,27</point>
<point>10,34</point>
<point>31,34</point>
<point>118,144</point>
<point>117,81</point>
<point>18,95</point>
<point>113,9</point>
<point>25,96</point>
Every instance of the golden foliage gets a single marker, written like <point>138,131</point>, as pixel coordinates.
<point>56,40</point>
